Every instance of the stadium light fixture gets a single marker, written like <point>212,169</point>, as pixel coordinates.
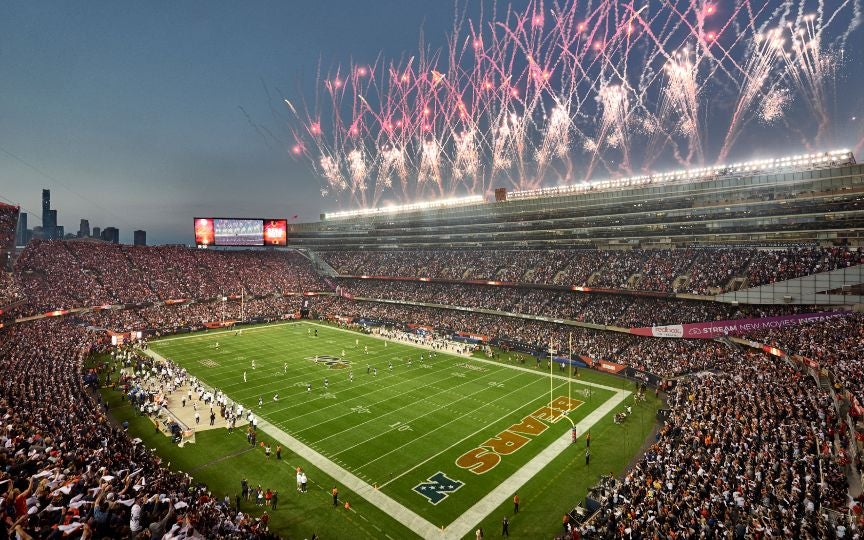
<point>401,209</point>
<point>800,161</point>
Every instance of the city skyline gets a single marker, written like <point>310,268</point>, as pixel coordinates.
<point>49,229</point>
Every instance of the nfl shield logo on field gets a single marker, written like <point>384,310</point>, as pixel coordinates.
<point>438,487</point>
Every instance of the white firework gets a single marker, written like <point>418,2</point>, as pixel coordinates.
<point>392,162</point>
<point>556,141</point>
<point>330,171</point>
<point>467,162</point>
<point>430,162</point>
<point>774,106</point>
<point>358,169</point>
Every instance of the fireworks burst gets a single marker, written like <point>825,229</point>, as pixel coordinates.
<point>578,89</point>
<point>774,105</point>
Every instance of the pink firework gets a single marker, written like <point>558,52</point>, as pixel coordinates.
<point>575,89</point>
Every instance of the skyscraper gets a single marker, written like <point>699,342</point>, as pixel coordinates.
<point>51,230</point>
<point>97,232</point>
<point>140,238</point>
<point>47,224</point>
<point>46,204</point>
<point>111,234</point>
<point>21,230</point>
<point>84,229</point>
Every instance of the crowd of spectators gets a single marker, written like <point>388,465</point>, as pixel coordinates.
<point>703,271</point>
<point>69,472</point>
<point>189,315</point>
<point>744,454</point>
<point>8,222</point>
<point>9,291</point>
<point>770,266</point>
<point>745,449</point>
<point>607,309</point>
<point>836,344</point>
<point>663,357</point>
<point>67,274</point>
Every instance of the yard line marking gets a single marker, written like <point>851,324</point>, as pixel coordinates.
<point>469,357</point>
<point>402,394</point>
<point>464,524</point>
<point>396,510</point>
<point>409,406</point>
<point>436,372</point>
<point>502,493</point>
<point>460,441</point>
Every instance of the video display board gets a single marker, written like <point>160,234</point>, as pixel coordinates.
<point>205,235</point>
<point>275,232</point>
<point>240,232</point>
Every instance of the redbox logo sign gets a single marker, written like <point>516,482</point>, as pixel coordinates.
<point>675,330</point>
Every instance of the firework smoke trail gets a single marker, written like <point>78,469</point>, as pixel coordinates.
<point>567,90</point>
<point>615,107</point>
<point>430,164</point>
<point>359,170</point>
<point>556,142</point>
<point>811,68</point>
<point>761,66</point>
<point>682,94</point>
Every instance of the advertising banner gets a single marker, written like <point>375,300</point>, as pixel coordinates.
<point>607,366</point>
<point>714,329</point>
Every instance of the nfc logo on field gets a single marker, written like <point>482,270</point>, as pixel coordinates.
<point>438,487</point>
<point>329,361</point>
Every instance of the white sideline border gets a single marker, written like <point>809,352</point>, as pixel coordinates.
<point>463,525</point>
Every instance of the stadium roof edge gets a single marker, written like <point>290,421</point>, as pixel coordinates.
<point>799,162</point>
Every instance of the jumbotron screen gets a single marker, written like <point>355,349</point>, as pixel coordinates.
<point>275,232</point>
<point>240,232</point>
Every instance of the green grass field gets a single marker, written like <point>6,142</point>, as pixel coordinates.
<point>442,442</point>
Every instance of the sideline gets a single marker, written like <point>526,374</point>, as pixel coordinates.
<point>199,334</point>
<point>470,357</point>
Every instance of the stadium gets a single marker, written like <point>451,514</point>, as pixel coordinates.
<point>687,362</point>
<point>563,270</point>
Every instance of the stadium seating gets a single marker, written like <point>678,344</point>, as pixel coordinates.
<point>744,454</point>
<point>76,473</point>
<point>835,344</point>
<point>57,275</point>
<point>704,271</point>
<point>749,442</point>
<point>9,290</point>
<point>606,309</point>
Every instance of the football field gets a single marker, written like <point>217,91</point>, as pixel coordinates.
<point>442,440</point>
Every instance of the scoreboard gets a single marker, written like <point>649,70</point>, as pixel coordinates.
<point>240,232</point>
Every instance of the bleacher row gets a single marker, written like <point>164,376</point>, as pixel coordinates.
<point>9,291</point>
<point>59,275</point>
<point>607,309</point>
<point>751,445</point>
<point>695,271</point>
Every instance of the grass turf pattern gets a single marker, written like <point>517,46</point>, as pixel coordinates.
<point>406,424</point>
